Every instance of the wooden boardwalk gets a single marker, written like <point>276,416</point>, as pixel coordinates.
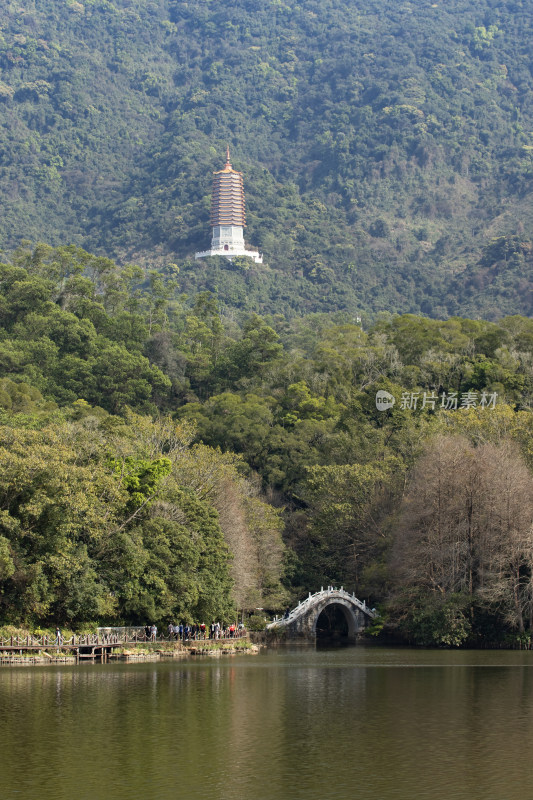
<point>93,645</point>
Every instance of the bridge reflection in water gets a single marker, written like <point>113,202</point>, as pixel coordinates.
<point>324,613</point>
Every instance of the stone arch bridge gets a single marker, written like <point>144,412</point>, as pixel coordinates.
<point>319,612</point>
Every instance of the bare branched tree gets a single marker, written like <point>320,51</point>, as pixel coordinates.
<point>466,526</point>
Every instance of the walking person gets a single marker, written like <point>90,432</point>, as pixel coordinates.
<point>59,638</point>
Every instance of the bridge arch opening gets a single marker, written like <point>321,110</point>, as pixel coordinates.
<point>335,621</point>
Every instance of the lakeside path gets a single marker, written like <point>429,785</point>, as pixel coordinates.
<point>29,653</point>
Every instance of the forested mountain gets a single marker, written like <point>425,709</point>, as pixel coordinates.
<point>386,146</point>
<point>163,421</point>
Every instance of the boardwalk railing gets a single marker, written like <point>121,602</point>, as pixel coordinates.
<point>331,593</point>
<point>95,640</point>
<point>44,641</point>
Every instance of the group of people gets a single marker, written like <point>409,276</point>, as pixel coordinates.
<point>185,632</point>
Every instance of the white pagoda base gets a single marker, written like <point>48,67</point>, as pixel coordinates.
<point>231,251</point>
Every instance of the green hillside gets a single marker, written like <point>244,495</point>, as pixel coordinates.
<point>386,147</point>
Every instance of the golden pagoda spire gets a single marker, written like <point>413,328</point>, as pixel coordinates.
<point>228,166</point>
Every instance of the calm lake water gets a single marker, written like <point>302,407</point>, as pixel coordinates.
<point>361,723</point>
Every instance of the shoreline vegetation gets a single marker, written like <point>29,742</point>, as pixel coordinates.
<point>128,656</point>
<point>248,643</point>
<point>158,652</point>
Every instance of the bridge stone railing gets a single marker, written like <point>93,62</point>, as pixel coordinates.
<point>316,599</point>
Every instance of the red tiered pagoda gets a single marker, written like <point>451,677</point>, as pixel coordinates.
<point>228,217</point>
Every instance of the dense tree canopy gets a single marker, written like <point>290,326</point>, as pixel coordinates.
<point>161,458</point>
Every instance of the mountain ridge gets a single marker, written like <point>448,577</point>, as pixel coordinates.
<point>383,147</point>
